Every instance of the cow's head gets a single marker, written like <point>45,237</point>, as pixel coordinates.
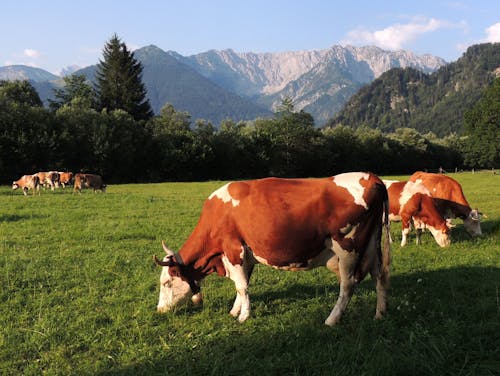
<point>442,236</point>
<point>472,223</point>
<point>175,286</point>
<point>15,185</point>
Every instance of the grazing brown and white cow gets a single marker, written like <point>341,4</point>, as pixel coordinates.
<point>409,201</point>
<point>288,224</point>
<point>450,200</point>
<point>48,179</point>
<point>65,178</point>
<point>27,182</point>
<point>88,181</point>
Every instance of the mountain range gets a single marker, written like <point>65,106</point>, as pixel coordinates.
<point>433,102</point>
<point>220,84</point>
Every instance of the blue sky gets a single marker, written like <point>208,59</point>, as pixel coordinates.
<point>55,34</point>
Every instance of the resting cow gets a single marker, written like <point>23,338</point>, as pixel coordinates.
<point>288,224</point>
<point>27,182</point>
<point>450,200</point>
<point>409,201</point>
<point>88,181</point>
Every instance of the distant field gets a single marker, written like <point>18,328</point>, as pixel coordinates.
<point>78,291</point>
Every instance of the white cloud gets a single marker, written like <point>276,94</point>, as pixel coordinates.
<point>492,36</point>
<point>396,36</point>
<point>493,33</point>
<point>33,54</point>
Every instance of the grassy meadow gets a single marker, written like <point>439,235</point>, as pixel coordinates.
<point>78,292</point>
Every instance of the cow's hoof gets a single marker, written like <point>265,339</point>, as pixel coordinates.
<point>243,316</point>
<point>331,322</point>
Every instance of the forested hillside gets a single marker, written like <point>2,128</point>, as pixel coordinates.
<point>428,103</point>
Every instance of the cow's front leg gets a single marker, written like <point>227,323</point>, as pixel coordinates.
<point>404,236</point>
<point>239,274</point>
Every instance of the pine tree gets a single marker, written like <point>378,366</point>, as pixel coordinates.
<point>119,84</point>
<point>482,124</point>
<point>75,92</point>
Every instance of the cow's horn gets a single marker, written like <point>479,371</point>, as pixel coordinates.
<point>165,248</point>
<point>161,262</point>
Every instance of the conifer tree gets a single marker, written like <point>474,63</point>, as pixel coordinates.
<point>76,91</point>
<point>119,81</point>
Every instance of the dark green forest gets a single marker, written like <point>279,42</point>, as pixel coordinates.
<point>171,147</point>
<point>87,129</point>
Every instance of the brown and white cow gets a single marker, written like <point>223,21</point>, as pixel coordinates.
<point>288,224</point>
<point>410,201</point>
<point>88,181</point>
<point>48,179</point>
<point>450,200</point>
<point>65,178</point>
<point>27,182</point>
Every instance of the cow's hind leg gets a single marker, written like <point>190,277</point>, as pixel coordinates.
<point>379,270</point>
<point>346,264</point>
<point>418,235</point>
<point>381,288</point>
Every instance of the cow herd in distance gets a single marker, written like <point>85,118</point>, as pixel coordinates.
<point>57,179</point>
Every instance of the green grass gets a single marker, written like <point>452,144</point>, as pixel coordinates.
<point>78,292</point>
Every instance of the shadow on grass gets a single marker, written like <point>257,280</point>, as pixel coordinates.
<point>16,217</point>
<point>439,323</point>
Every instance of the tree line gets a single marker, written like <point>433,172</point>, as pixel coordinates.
<point>110,129</point>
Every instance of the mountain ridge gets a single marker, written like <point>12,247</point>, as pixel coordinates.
<point>433,102</point>
<point>217,84</point>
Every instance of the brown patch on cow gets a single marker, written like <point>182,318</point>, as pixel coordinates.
<point>238,190</point>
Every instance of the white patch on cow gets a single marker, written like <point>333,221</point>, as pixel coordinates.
<point>349,231</point>
<point>394,218</point>
<point>409,190</point>
<point>404,238</point>
<point>350,181</point>
<point>261,260</point>
<point>347,262</point>
<point>173,290</point>
<point>388,183</point>
<point>441,238</point>
<point>339,251</point>
<point>223,194</point>
<point>236,273</point>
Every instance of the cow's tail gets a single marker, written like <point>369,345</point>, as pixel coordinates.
<point>386,247</point>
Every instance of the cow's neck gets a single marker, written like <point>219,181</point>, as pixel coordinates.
<point>200,256</point>
<point>456,209</point>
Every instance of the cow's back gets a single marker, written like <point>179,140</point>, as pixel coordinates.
<point>94,181</point>
<point>441,187</point>
<point>288,220</point>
